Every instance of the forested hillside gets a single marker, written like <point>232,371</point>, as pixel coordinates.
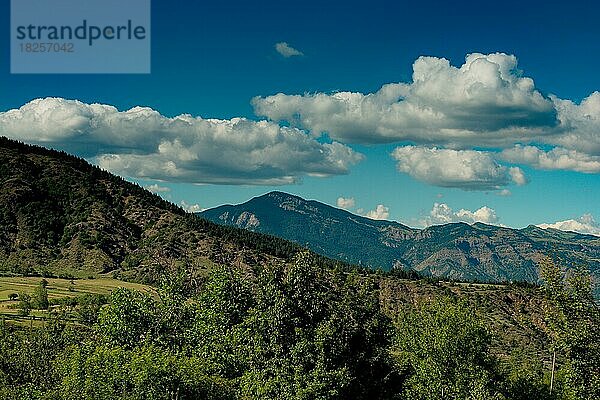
<point>61,216</point>
<point>305,331</point>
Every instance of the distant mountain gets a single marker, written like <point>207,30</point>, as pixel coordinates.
<point>60,215</point>
<point>458,251</point>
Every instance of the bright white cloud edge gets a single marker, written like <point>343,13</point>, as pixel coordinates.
<point>345,202</point>
<point>190,208</point>
<point>441,214</point>
<point>142,143</point>
<point>156,188</point>
<point>463,169</point>
<point>486,102</point>
<point>381,212</point>
<point>586,224</point>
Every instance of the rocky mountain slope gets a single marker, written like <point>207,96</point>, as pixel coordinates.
<point>459,251</point>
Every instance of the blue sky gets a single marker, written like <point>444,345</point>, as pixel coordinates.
<point>211,60</point>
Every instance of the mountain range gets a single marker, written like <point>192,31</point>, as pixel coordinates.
<point>460,251</point>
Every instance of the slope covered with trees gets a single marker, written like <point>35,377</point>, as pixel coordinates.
<point>61,216</point>
<point>301,331</point>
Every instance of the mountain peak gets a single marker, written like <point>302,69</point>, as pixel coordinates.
<point>456,250</point>
<point>279,196</point>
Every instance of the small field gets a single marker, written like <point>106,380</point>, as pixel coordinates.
<point>58,288</point>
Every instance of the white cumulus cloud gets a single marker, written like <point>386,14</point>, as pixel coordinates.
<point>579,124</point>
<point>441,214</point>
<point>487,103</point>
<point>156,188</point>
<point>585,224</point>
<point>191,208</point>
<point>518,176</point>
<point>286,50</point>
<point>484,101</point>
<point>142,143</point>
<point>556,159</point>
<point>346,203</point>
<point>380,212</point>
<point>464,169</point>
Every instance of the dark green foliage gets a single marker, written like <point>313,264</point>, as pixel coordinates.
<point>145,372</point>
<point>443,346</point>
<point>39,299</point>
<point>315,334</point>
<point>128,318</point>
<point>527,379</point>
<point>222,307</point>
<point>296,332</point>
<point>573,318</point>
<point>89,306</point>
<point>28,358</point>
<point>24,303</point>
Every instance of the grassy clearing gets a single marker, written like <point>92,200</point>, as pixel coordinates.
<point>58,288</point>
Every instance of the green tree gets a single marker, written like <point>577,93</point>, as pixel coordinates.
<point>89,306</point>
<point>28,359</point>
<point>573,320</point>
<point>143,372</point>
<point>443,346</point>
<point>526,376</point>
<point>315,334</point>
<point>128,319</point>
<point>223,306</point>
<point>24,303</point>
<point>39,299</point>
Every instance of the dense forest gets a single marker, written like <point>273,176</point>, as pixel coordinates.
<point>302,331</point>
